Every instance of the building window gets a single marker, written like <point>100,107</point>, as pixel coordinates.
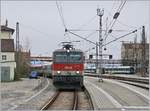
<point>4,57</point>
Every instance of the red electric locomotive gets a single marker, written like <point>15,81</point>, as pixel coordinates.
<point>67,67</point>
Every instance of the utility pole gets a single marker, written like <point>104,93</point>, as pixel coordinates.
<point>100,13</point>
<point>96,57</point>
<point>143,62</point>
<point>135,52</point>
<point>17,52</point>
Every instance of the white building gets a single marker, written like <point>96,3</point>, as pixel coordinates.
<point>7,54</point>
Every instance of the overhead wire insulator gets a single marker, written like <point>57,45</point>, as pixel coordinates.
<point>66,30</point>
<point>110,31</point>
<point>116,15</point>
<point>134,31</point>
<point>101,39</point>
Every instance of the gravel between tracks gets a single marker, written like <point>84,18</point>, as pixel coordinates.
<point>84,103</point>
<point>63,102</point>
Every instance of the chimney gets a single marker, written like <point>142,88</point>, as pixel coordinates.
<point>6,24</point>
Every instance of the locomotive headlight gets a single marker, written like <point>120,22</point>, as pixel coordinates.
<point>77,72</point>
<point>58,72</point>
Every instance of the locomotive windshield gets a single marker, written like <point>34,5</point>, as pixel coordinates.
<point>60,57</point>
<point>71,57</point>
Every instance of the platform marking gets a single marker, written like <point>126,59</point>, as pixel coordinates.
<point>116,103</point>
<point>136,107</point>
<point>15,106</point>
<point>123,85</point>
<point>38,92</point>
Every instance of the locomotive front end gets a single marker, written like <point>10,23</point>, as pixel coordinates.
<point>67,69</point>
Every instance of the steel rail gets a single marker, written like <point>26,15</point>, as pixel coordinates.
<point>135,84</point>
<point>75,101</point>
<point>50,101</point>
<point>86,92</point>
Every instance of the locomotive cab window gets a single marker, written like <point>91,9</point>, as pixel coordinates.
<point>75,57</point>
<point>65,57</point>
<point>60,57</point>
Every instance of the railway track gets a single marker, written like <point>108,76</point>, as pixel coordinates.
<point>66,100</point>
<point>138,82</point>
<point>141,85</point>
<point>51,101</point>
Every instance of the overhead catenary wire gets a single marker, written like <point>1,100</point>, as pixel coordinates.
<point>110,13</point>
<point>116,11</point>
<point>61,14</point>
<point>89,21</point>
<point>121,37</point>
<point>92,33</point>
<point>117,14</point>
<point>96,30</point>
<point>82,37</point>
<point>119,9</point>
<point>129,26</point>
<point>120,22</point>
<point>35,29</point>
<point>115,18</point>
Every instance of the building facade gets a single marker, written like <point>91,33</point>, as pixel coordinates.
<point>7,54</point>
<point>133,54</point>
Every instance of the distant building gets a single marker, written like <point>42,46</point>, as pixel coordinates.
<point>132,55</point>
<point>7,54</point>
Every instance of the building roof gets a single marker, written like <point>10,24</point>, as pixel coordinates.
<point>5,28</point>
<point>7,45</point>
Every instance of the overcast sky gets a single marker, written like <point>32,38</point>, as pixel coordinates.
<point>41,24</point>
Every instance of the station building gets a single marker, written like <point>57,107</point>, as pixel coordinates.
<point>7,54</point>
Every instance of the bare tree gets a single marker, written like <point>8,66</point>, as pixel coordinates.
<point>27,44</point>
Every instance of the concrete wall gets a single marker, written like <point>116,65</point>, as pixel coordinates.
<point>9,62</point>
<point>5,35</point>
<point>10,56</point>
